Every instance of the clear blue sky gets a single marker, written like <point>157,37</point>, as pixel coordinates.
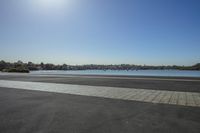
<point>152,32</point>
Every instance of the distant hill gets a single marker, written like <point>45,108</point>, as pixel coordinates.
<point>25,67</point>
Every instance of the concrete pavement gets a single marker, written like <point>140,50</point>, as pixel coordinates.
<point>92,104</point>
<point>156,83</point>
<point>143,95</point>
<point>26,111</point>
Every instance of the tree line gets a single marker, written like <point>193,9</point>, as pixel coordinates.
<point>20,66</point>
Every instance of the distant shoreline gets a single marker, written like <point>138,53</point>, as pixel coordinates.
<point>19,66</point>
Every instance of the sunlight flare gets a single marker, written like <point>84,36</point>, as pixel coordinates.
<point>51,6</point>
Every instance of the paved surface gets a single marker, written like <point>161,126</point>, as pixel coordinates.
<point>25,111</point>
<point>155,83</point>
<point>153,96</point>
<point>104,104</point>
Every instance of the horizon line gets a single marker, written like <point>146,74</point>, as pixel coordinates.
<point>94,63</point>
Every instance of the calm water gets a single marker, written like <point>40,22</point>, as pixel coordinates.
<point>171,73</point>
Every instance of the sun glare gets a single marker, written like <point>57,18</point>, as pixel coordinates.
<point>51,5</point>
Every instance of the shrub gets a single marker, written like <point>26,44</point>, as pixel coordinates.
<point>17,70</point>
